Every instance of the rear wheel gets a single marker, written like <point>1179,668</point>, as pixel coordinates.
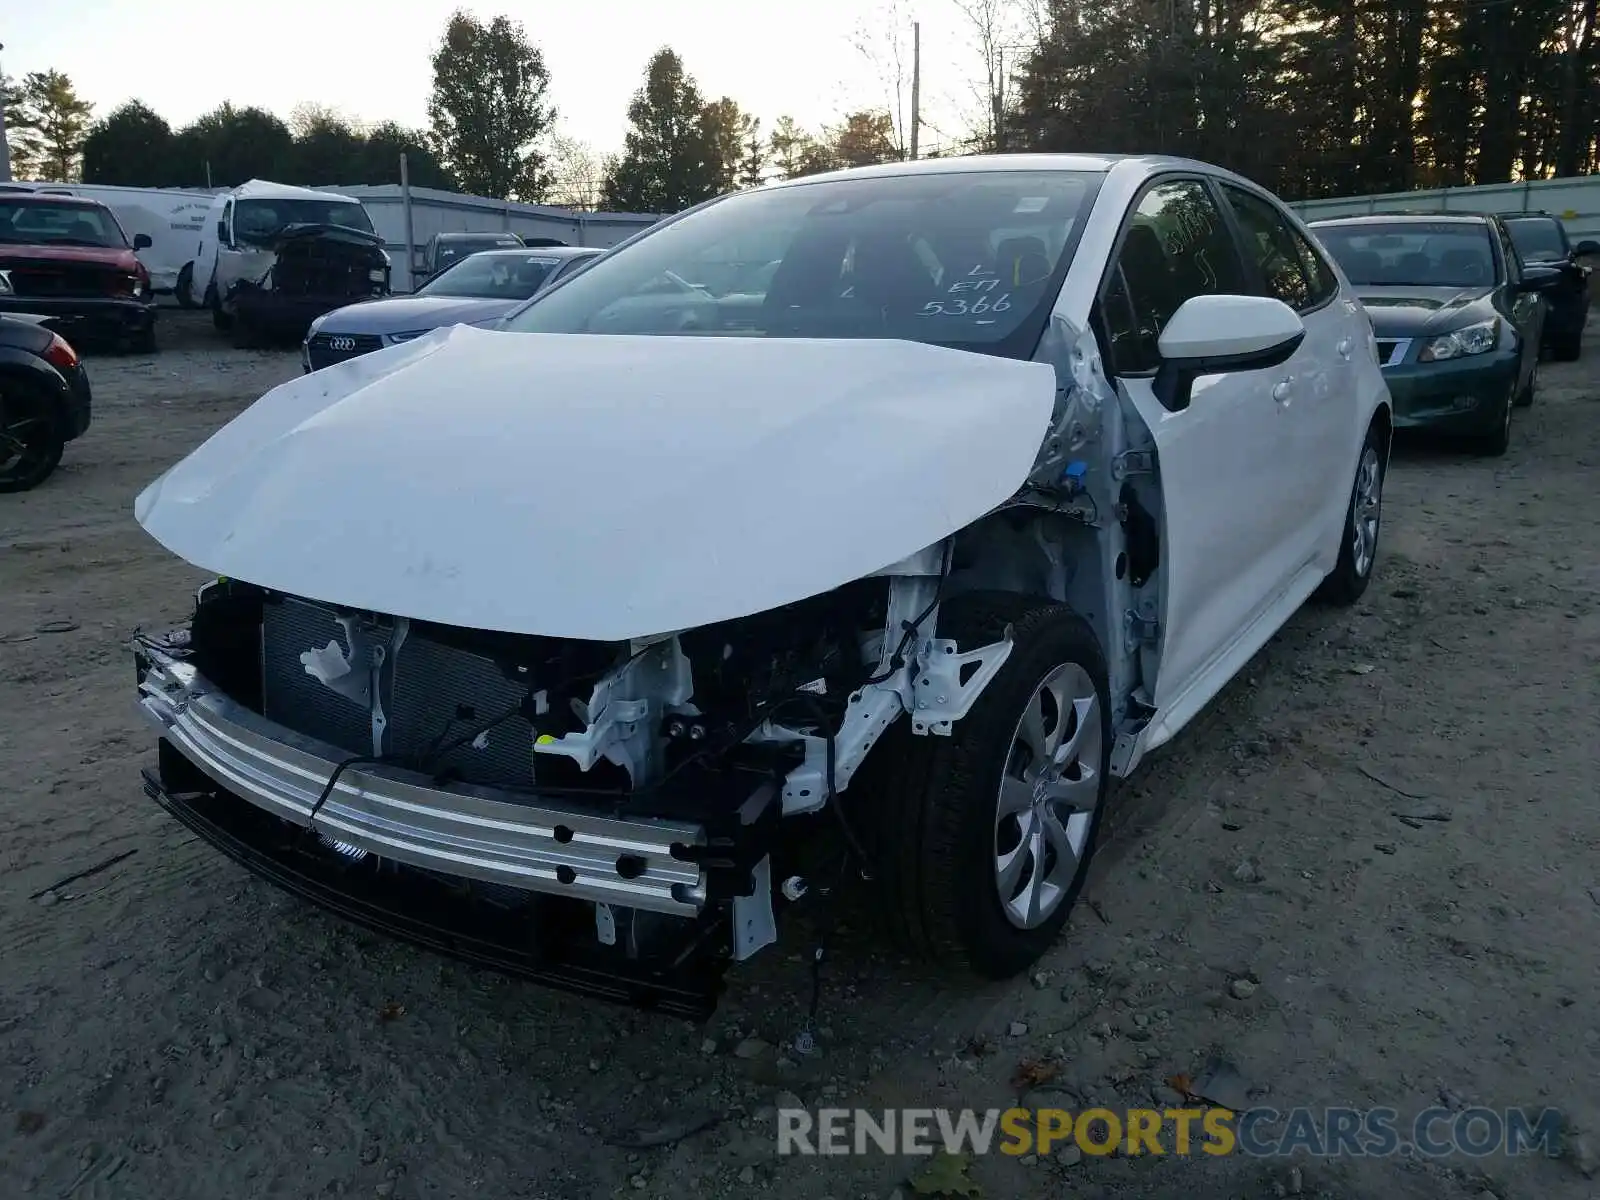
<point>1363,522</point>
<point>985,837</point>
<point>31,437</point>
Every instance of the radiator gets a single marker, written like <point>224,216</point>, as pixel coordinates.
<point>432,694</point>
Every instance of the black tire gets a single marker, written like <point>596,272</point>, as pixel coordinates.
<point>1496,442</point>
<point>31,436</point>
<point>1348,580</point>
<point>220,321</point>
<point>1525,396</point>
<point>145,342</point>
<point>936,821</point>
<point>1568,347</point>
<point>180,289</point>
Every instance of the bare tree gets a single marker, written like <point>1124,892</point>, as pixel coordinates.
<point>578,174</point>
<point>1000,31</point>
<point>883,38</point>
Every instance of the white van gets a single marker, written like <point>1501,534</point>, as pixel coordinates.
<point>238,237</point>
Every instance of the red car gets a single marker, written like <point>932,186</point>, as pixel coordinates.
<point>67,259</point>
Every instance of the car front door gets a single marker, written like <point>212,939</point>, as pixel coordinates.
<point>1225,461</point>
<point>1527,308</point>
<point>1318,399</point>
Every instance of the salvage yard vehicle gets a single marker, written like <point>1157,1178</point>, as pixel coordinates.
<point>272,258</point>
<point>67,258</point>
<point>539,646</point>
<point>1457,315</point>
<point>44,400</point>
<point>1540,238</point>
<point>444,250</point>
<point>476,290</point>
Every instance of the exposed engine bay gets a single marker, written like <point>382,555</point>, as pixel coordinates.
<point>316,268</point>
<point>655,771</point>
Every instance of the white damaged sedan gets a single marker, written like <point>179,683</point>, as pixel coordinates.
<point>919,500</point>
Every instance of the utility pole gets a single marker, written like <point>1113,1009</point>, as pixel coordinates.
<point>916,83</point>
<point>999,101</point>
<point>5,146</point>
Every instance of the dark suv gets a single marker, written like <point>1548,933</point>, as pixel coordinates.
<point>1542,239</point>
<point>67,259</point>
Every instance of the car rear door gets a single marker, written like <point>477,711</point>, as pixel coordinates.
<point>1225,461</point>
<point>1317,397</point>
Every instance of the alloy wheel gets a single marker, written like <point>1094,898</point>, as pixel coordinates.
<point>1046,804</point>
<point>1366,511</point>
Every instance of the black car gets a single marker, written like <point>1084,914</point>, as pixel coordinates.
<point>1457,316</point>
<point>446,249</point>
<point>44,400</point>
<point>1541,238</point>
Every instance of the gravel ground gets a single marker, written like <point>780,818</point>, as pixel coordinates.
<point>171,1028</point>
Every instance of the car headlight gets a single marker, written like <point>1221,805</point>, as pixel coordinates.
<point>5,283</point>
<point>1474,339</point>
<point>378,274</point>
<point>407,335</point>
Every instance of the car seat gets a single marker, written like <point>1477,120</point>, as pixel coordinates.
<point>1464,264</point>
<point>1022,262</point>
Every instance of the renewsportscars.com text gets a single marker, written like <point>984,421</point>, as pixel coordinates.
<point>1257,1132</point>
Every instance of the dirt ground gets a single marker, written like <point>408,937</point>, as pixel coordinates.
<point>171,1028</point>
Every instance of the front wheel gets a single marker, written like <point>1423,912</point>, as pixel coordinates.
<point>1498,440</point>
<point>1525,396</point>
<point>1363,522</point>
<point>31,437</point>
<point>985,836</point>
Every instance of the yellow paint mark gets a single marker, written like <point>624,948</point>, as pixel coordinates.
<point>544,739</point>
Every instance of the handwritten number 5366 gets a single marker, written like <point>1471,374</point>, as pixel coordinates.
<point>955,306</point>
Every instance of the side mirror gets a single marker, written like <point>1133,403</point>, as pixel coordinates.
<point>222,232</point>
<point>142,241</point>
<point>1586,248</point>
<point>1540,279</point>
<point>1209,335</point>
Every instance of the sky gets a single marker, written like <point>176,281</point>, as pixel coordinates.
<point>370,61</point>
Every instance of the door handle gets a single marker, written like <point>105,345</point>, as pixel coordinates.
<point>1284,392</point>
<point>1345,347</point>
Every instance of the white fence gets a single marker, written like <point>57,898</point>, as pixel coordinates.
<point>1576,200</point>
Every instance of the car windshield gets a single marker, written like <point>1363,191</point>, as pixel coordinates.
<point>47,223</point>
<point>1537,239</point>
<point>458,248</point>
<point>257,221</point>
<point>1412,253</point>
<point>963,258</point>
<point>493,276</point>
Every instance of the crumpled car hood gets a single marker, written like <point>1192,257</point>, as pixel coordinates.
<point>601,487</point>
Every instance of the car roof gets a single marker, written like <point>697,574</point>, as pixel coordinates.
<point>456,234</point>
<point>60,198</point>
<point>1391,218</point>
<point>550,251</point>
<point>1099,164</point>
